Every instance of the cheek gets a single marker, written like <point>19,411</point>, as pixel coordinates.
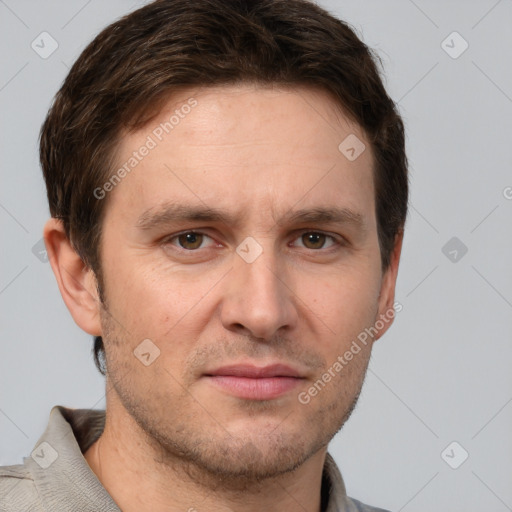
<point>345,301</point>
<point>154,301</point>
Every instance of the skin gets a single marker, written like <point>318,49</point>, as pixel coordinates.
<point>173,440</point>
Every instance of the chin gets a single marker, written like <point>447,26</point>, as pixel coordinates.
<point>256,460</point>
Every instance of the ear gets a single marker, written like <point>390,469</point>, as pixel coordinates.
<point>77,282</point>
<point>386,313</point>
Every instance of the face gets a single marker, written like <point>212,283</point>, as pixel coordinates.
<point>242,247</point>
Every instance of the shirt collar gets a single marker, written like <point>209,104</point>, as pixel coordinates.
<point>61,474</point>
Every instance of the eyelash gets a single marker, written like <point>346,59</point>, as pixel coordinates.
<point>337,242</point>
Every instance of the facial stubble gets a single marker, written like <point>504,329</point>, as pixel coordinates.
<point>197,444</point>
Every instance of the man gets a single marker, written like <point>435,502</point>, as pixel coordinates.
<point>227,182</point>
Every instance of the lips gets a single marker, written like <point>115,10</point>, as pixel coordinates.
<point>256,372</point>
<point>253,382</point>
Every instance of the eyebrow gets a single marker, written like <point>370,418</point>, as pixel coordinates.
<point>319,215</point>
<point>168,213</point>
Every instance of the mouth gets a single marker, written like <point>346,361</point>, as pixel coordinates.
<point>253,382</point>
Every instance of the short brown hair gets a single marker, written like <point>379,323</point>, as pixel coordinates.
<point>125,73</point>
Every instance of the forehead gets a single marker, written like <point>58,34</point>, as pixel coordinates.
<point>243,147</point>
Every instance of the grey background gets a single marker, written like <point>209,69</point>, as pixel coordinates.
<point>441,374</point>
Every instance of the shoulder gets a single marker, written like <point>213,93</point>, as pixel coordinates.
<point>338,499</point>
<point>18,490</point>
<point>357,506</point>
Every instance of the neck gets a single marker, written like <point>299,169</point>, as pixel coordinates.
<point>141,477</point>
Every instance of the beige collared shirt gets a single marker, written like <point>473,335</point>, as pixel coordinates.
<point>57,478</point>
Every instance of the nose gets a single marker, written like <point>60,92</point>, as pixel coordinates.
<point>257,300</point>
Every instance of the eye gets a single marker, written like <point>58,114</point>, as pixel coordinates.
<point>189,240</point>
<point>316,240</point>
